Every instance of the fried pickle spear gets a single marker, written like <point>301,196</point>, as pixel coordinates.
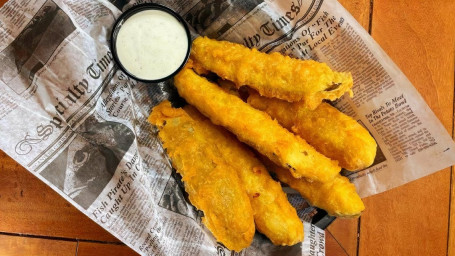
<point>272,75</point>
<point>273,214</point>
<point>329,131</point>
<point>338,197</point>
<point>210,180</point>
<point>255,128</point>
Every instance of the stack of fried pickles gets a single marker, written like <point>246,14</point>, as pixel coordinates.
<point>224,145</point>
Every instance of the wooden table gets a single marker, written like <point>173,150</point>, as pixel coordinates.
<point>414,219</point>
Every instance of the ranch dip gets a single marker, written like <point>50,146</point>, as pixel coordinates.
<point>152,44</point>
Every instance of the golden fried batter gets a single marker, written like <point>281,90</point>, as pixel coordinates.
<point>273,214</point>
<point>255,128</point>
<point>197,67</point>
<point>338,197</point>
<point>272,75</point>
<point>329,131</point>
<point>210,180</point>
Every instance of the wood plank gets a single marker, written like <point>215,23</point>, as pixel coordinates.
<point>19,246</point>
<point>29,206</point>
<point>413,219</point>
<point>96,249</point>
<point>332,247</point>
<point>360,9</point>
<point>345,232</point>
<point>451,242</point>
<point>409,220</point>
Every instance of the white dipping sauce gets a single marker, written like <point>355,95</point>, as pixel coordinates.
<point>152,44</point>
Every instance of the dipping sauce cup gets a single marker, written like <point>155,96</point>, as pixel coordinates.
<point>150,42</point>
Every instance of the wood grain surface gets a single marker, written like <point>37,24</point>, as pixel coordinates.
<point>415,219</point>
<point>20,246</point>
<point>333,247</point>
<point>97,249</point>
<point>345,232</point>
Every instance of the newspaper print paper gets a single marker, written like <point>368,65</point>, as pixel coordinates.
<point>69,116</point>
